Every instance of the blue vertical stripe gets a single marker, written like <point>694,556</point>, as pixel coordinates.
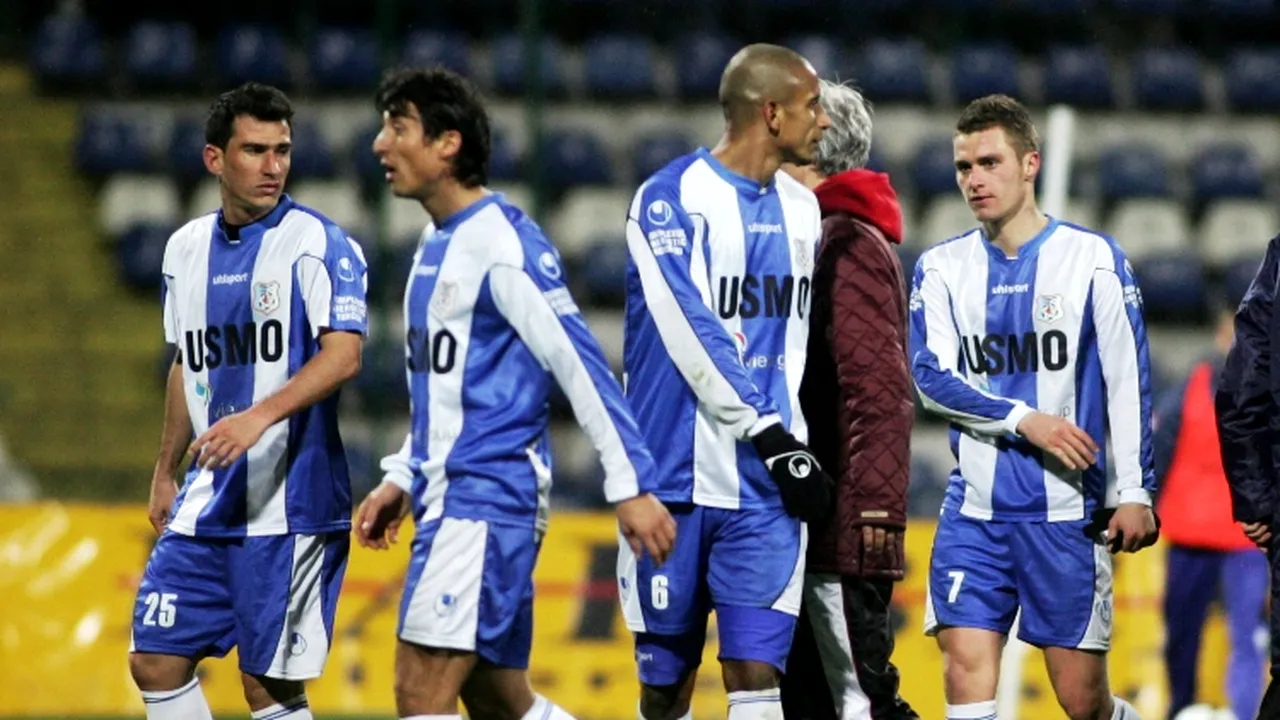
<point>1091,402</point>
<point>418,370</point>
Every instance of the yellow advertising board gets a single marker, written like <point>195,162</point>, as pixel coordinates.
<point>68,575</point>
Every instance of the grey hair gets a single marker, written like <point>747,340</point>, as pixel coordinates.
<point>846,145</point>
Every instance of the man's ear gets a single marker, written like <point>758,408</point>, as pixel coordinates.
<point>450,143</point>
<point>214,157</point>
<point>771,112</point>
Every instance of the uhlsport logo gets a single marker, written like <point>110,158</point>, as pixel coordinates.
<point>346,271</point>
<point>549,266</point>
<point>659,212</point>
<point>446,604</point>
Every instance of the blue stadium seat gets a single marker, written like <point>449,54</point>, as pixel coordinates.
<point>161,53</point>
<point>1168,79</point>
<point>978,70</point>
<point>504,165</point>
<point>107,145</point>
<point>574,157</point>
<point>1132,170</point>
<point>1238,276</point>
<point>509,65</point>
<point>381,383</point>
<point>604,271</point>
<point>1240,9</point>
<point>702,60</point>
<point>894,71</point>
<point>186,149</point>
<point>1251,79</point>
<point>252,52</point>
<point>826,55</point>
<point>369,170</point>
<point>139,255</point>
<point>1225,170</point>
<point>1078,75</point>
<point>344,59</point>
<point>68,49</point>
<point>653,151</point>
<point>933,170</point>
<point>311,154</point>
<point>908,255</point>
<point>620,66</point>
<point>426,48</point>
<point>1173,287</point>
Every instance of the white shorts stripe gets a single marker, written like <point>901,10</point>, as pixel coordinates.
<point>303,646</point>
<point>444,610</point>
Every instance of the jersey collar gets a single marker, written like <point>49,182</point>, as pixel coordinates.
<point>259,226</point>
<point>453,221</point>
<point>741,182</point>
<point>1029,248</point>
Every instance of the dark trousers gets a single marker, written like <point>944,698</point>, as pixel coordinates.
<point>840,659</point>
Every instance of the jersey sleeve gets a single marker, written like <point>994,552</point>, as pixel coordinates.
<point>334,285</point>
<point>664,244</point>
<point>169,298</point>
<point>539,307</point>
<point>935,355</point>
<point>397,468</point>
<point>1126,373</point>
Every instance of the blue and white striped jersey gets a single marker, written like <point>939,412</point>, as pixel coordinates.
<point>718,292</point>
<point>246,313</point>
<point>490,326</point>
<point>1057,329</point>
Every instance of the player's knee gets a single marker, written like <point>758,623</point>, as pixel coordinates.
<point>1083,703</point>
<point>749,675</point>
<point>157,673</point>
<point>261,691</point>
<point>665,702</point>
<point>969,676</point>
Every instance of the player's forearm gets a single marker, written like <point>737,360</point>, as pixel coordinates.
<point>958,402</point>
<point>320,377</point>
<point>177,430</point>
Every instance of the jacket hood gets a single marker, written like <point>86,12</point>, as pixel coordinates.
<point>866,195</point>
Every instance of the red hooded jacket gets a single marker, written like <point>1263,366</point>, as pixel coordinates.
<point>856,393</point>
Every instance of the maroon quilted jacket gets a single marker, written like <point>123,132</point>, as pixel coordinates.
<point>856,392</point>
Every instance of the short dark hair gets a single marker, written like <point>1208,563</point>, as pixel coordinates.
<point>1004,112</point>
<point>445,101</point>
<point>261,102</point>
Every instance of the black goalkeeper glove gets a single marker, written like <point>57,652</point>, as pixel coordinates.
<point>805,489</point>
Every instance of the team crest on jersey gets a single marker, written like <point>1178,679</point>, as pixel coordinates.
<point>804,254</point>
<point>443,298</point>
<point>1049,308</point>
<point>266,297</point>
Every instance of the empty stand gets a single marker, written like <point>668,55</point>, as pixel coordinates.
<point>1147,227</point>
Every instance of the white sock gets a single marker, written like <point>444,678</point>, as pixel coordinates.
<point>295,709</point>
<point>185,703</point>
<point>544,709</point>
<point>755,705</point>
<point>1123,710</point>
<point>973,711</point>
<point>688,714</point>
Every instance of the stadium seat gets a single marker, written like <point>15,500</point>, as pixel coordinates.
<point>1237,228</point>
<point>984,69</point>
<point>574,157</point>
<point>703,56</point>
<point>1168,79</point>
<point>504,165</point>
<point>584,216</point>
<point>1150,227</point>
<point>908,255</point>
<point>509,66</point>
<point>338,200</point>
<point>381,383</point>
<point>1251,79</point>
<point>108,145</point>
<point>1225,170</point>
<point>946,217</point>
<point>603,271</point>
<point>1078,75</point>
<point>311,155</point>
<point>933,170</point>
<point>207,197</point>
<point>894,71</point>
<point>517,194</point>
<point>367,166</point>
<point>620,67</point>
<point>825,54</point>
<point>252,52</point>
<point>343,59</point>
<point>1132,170</point>
<point>655,150</point>
<point>127,200</point>
<point>1173,288</point>
<point>67,49</point>
<point>186,150</point>
<point>1082,213</point>
<point>608,328</point>
<point>140,255</point>
<point>1239,274</point>
<point>426,48</point>
<point>161,54</point>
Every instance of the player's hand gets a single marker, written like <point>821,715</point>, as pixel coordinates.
<point>805,489</point>
<point>647,526</point>
<point>1132,527</point>
<point>164,488</point>
<point>228,439</point>
<point>883,553</point>
<point>1072,446</point>
<point>380,515</point>
<point>1259,533</point>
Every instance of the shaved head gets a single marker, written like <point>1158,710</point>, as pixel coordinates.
<point>761,73</point>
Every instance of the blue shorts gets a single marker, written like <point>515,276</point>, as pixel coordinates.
<point>983,572</point>
<point>273,597</point>
<point>747,565</point>
<point>470,587</point>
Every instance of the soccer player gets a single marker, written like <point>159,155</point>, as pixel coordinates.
<point>1027,335</point>
<point>721,251</point>
<point>490,326</point>
<point>265,300</point>
<point>856,396</point>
